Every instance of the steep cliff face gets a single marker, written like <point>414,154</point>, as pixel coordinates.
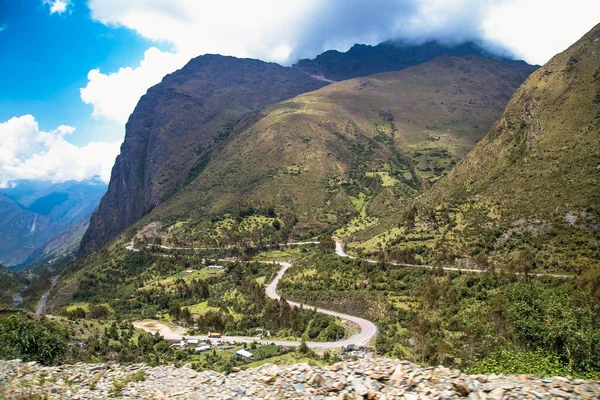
<point>177,125</point>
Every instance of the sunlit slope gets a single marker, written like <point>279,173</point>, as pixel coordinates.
<point>388,136</point>
<point>531,185</point>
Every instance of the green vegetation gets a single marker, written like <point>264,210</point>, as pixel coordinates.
<point>30,339</point>
<point>333,146</point>
<point>340,160</point>
<point>525,198</point>
<point>479,321</point>
<point>144,285</point>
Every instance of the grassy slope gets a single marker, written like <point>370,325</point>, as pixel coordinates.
<point>532,182</point>
<point>307,155</point>
<point>310,156</point>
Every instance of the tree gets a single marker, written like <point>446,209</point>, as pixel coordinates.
<point>98,312</point>
<point>326,244</point>
<point>303,348</point>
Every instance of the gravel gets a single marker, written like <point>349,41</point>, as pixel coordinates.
<point>379,378</point>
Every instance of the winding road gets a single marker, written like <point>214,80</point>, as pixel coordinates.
<point>367,329</point>
<point>339,250</point>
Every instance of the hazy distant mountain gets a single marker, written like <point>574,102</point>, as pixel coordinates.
<point>35,212</point>
<point>22,231</point>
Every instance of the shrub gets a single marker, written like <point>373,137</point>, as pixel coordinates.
<point>31,340</point>
<point>519,362</point>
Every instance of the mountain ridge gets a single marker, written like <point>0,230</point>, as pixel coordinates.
<point>151,168</point>
<point>308,157</point>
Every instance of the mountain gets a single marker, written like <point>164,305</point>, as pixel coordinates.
<point>22,231</point>
<point>374,141</point>
<point>68,202</point>
<point>362,60</point>
<point>527,194</point>
<point>177,125</point>
<point>39,211</point>
<point>184,122</point>
<point>61,247</point>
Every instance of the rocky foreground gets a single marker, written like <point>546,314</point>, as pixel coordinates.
<point>373,379</point>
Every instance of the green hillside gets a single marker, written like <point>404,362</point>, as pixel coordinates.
<point>527,196</point>
<point>382,139</point>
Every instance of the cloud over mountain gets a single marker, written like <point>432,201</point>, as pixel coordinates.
<point>283,32</point>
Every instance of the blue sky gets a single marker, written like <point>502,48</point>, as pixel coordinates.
<point>46,58</point>
<point>72,71</point>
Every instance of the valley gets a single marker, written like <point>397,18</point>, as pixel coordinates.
<point>430,203</point>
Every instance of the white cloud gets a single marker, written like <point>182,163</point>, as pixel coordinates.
<point>114,95</point>
<point>283,31</point>
<point>26,152</point>
<point>58,6</point>
<point>536,30</point>
<point>3,27</point>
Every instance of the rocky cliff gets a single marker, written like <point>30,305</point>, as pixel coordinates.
<point>177,125</point>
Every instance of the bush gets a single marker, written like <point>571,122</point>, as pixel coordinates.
<point>519,362</point>
<point>98,312</point>
<point>31,340</point>
<point>303,348</point>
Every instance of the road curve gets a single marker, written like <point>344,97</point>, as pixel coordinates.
<point>367,329</point>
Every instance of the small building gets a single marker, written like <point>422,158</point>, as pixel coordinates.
<point>203,347</point>
<point>17,300</point>
<point>244,353</point>
<point>215,267</point>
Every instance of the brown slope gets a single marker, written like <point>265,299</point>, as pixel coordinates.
<point>176,124</point>
<point>307,155</point>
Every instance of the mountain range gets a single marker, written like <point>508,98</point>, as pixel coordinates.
<point>35,212</point>
<point>463,187</point>
<point>185,124</point>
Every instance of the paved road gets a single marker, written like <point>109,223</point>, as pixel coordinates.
<point>367,329</point>
<point>40,307</point>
